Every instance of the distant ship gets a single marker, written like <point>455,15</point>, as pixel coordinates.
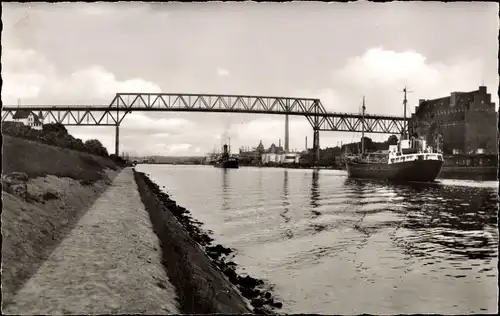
<point>225,160</point>
<point>409,160</point>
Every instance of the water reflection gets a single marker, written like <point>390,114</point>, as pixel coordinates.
<point>467,176</point>
<point>260,188</point>
<point>225,205</point>
<point>435,221</point>
<point>315,191</point>
<point>286,202</point>
<point>288,234</point>
<point>459,221</point>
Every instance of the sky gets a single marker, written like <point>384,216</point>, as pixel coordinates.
<point>85,53</point>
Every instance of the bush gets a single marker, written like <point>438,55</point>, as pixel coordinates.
<point>54,128</point>
<point>95,147</point>
<point>119,160</point>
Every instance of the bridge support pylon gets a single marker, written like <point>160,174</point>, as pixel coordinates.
<point>287,135</point>
<point>117,139</point>
<point>316,146</point>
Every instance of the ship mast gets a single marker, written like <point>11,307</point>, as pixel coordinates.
<point>363,128</point>
<point>405,123</point>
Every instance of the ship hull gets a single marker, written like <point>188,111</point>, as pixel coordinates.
<point>420,171</point>
<point>228,164</point>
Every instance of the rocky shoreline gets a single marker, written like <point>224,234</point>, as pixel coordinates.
<point>195,266</point>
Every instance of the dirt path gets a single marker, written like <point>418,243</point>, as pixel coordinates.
<point>109,263</point>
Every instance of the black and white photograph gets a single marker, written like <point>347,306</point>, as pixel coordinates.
<point>250,157</point>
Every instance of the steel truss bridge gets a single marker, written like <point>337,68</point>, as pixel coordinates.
<point>124,103</point>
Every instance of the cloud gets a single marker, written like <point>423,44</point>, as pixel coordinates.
<point>30,76</point>
<point>221,72</point>
<point>381,75</point>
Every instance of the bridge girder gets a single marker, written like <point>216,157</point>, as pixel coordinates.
<point>123,103</point>
<point>102,116</point>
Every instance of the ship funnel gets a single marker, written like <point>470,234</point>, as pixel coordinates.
<point>225,149</point>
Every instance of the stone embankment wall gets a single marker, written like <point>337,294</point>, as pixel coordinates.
<point>206,281</point>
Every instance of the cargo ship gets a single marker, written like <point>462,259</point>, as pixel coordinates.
<point>409,160</point>
<point>225,160</point>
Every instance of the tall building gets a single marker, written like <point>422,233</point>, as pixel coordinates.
<point>462,123</point>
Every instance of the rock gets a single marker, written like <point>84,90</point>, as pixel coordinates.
<point>268,295</point>
<point>257,302</point>
<point>213,254</point>
<point>220,249</point>
<point>231,274</point>
<point>49,196</point>
<point>15,177</point>
<point>249,292</point>
<point>16,182</point>
<point>248,281</point>
<point>277,304</point>
<point>206,239</point>
<point>269,301</point>
<point>220,265</point>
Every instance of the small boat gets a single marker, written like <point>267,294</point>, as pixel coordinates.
<point>225,160</point>
<point>409,160</point>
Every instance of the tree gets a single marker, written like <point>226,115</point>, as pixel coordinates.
<point>368,143</point>
<point>54,128</point>
<point>393,140</point>
<point>96,147</point>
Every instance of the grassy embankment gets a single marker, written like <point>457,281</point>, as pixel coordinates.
<point>62,185</point>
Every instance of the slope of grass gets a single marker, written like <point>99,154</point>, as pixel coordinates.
<point>38,160</point>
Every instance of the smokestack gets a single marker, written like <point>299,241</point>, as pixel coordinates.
<point>286,133</point>
<point>279,143</point>
<point>306,142</point>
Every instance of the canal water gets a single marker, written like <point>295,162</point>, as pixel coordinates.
<point>333,245</point>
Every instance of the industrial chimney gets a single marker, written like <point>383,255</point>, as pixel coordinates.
<point>306,143</point>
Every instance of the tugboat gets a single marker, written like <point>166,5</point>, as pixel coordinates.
<point>409,160</point>
<point>225,160</point>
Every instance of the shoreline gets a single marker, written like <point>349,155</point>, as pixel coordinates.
<point>205,279</point>
<point>476,173</point>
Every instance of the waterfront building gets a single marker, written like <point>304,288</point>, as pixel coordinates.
<point>462,123</point>
<point>463,126</point>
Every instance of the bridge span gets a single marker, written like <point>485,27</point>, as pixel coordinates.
<point>123,103</point>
